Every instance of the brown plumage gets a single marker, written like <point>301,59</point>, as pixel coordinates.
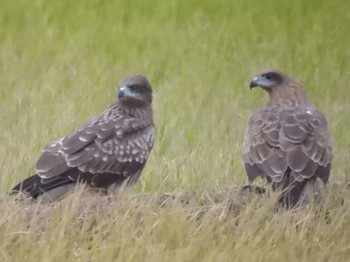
<point>287,141</point>
<point>108,152</point>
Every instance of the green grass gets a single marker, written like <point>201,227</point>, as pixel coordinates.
<point>60,62</point>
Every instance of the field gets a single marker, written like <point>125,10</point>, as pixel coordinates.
<point>60,63</point>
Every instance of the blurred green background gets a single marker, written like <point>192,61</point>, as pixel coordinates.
<point>60,63</point>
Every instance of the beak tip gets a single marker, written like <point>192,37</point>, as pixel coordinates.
<point>122,92</point>
<point>254,83</point>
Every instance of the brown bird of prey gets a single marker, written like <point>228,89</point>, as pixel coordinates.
<point>287,141</point>
<point>108,152</point>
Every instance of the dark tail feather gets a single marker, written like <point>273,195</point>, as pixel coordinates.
<point>34,187</point>
<point>291,190</point>
<point>55,187</point>
<point>291,194</point>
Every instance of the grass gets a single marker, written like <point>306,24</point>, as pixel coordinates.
<point>60,62</point>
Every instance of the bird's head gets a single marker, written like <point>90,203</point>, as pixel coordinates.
<point>135,89</point>
<point>268,79</point>
<point>283,90</point>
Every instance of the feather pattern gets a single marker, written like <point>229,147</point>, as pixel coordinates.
<point>288,140</point>
<point>100,146</point>
<point>298,139</point>
<point>107,150</point>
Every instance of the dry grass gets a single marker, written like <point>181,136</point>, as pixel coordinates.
<point>222,225</point>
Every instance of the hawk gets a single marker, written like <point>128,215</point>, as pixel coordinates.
<point>287,141</point>
<point>108,152</point>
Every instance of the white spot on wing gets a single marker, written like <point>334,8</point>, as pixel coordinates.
<point>83,139</point>
<point>308,112</point>
<point>134,151</point>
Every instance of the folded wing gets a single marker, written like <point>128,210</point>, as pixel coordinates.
<point>277,139</point>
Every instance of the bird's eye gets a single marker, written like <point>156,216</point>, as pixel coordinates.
<point>133,87</point>
<point>268,76</point>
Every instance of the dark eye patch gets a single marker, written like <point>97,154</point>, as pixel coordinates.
<point>138,88</point>
<point>269,76</point>
<point>273,77</point>
<point>133,87</point>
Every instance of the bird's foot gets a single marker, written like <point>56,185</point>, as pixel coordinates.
<point>254,189</point>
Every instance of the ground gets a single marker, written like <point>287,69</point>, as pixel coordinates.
<point>60,63</point>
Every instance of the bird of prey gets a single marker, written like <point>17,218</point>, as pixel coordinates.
<point>287,141</point>
<point>108,152</point>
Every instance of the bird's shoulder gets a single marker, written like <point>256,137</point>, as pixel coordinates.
<point>269,116</point>
<point>105,144</point>
<point>265,117</point>
<point>113,124</point>
<point>279,125</point>
<point>300,122</point>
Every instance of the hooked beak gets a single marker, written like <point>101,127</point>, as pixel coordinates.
<point>254,82</point>
<point>122,92</point>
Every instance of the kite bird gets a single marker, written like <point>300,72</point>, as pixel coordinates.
<point>109,152</point>
<point>287,141</point>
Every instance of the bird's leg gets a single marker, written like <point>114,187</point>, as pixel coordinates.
<point>253,189</point>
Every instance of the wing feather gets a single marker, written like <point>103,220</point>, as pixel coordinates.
<point>296,138</point>
<point>114,144</point>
